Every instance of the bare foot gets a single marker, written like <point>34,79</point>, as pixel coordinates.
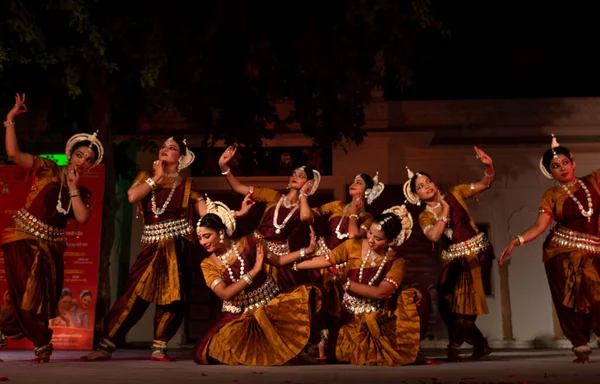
<point>96,355</point>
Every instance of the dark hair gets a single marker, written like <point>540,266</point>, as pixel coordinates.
<point>413,181</point>
<point>309,171</point>
<point>85,143</point>
<point>549,155</point>
<point>391,227</point>
<point>181,144</point>
<point>212,221</point>
<point>368,180</point>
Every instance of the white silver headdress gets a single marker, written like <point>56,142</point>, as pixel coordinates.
<point>373,193</point>
<point>316,177</point>
<point>186,159</point>
<point>226,215</point>
<point>93,139</point>
<point>410,196</point>
<point>553,145</point>
<point>405,218</point>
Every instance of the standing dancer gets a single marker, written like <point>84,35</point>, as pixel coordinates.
<point>572,249</point>
<point>34,242</point>
<point>447,220</point>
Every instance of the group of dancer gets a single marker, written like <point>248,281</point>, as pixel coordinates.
<point>354,305</point>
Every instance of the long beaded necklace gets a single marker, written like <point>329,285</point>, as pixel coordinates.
<point>586,213</point>
<point>373,264</point>
<point>160,211</point>
<point>340,235</point>
<point>279,227</point>
<point>59,206</point>
<point>223,259</point>
<point>447,231</point>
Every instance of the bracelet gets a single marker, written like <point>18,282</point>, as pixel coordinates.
<point>521,239</point>
<point>302,253</point>
<point>488,175</point>
<point>151,183</point>
<point>74,193</point>
<point>442,218</point>
<point>347,285</point>
<point>295,266</point>
<point>354,215</point>
<point>302,194</point>
<point>247,279</point>
<point>226,172</point>
<point>8,123</point>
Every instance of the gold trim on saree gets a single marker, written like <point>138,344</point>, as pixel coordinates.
<point>257,298</point>
<point>166,230</point>
<point>565,237</point>
<point>275,248</point>
<point>38,228</point>
<point>474,245</point>
<point>357,305</point>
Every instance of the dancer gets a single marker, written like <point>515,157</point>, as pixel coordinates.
<point>34,242</point>
<point>447,221</point>
<point>160,274</point>
<point>283,213</point>
<point>571,252</point>
<point>344,221</point>
<point>262,326</point>
<point>379,326</point>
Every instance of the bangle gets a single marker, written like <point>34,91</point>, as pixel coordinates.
<point>302,253</point>
<point>8,123</point>
<point>488,175</point>
<point>151,183</point>
<point>347,285</point>
<point>354,215</point>
<point>74,193</point>
<point>226,172</point>
<point>442,218</point>
<point>521,239</point>
<point>302,194</point>
<point>295,266</point>
<point>247,279</point>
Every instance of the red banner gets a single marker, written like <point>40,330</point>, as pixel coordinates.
<point>74,328</point>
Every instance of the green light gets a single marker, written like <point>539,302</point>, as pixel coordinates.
<point>58,158</point>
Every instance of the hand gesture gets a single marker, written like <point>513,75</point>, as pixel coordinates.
<point>260,258</point>
<point>307,187</point>
<point>506,252</point>
<point>72,177</point>
<point>483,157</point>
<point>18,108</point>
<point>246,205</point>
<point>356,205</point>
<point>313,242</point>
<point>442,200</point>
<point>227,156</point>
<point>159,169</point>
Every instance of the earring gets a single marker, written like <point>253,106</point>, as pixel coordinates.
<point>179,164</point>
<point>419,203</point>
<point>221,236</point>
<point>289,186</point>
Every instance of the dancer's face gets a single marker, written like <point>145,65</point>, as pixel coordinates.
<point>82,159</point>
<point>358,187</point>
<point>209,239</point>
<point>298,179</point>
<point>425,188</point>
<point>169,152</point>
<point>563,169</point>
<point>376,239</point>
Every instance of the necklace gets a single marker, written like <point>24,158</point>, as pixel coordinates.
<point>59,206</point>
<point>447,231</point>
<point>172,175</point>
<point>373,264</point>
<point>279,227</point>
<point>223,259</point>
<point>586,213</point>
<point>340,235</point>
<point>160,211</point>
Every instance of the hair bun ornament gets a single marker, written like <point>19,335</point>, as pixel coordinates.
<point>405,219</point>
<point>410,196</point>
<point>226,215</point>
<point>553,144</point>
<point>186,159</point>
<point>373,193</point>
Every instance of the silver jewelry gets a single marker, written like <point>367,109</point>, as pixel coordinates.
<point>74,193</point>
<point>160,211</point>
<point>373,264</point>
<point>279,227</point>
<point>59,206</point>
<point>151,183</point>
<point>172,175</point>
<point>447,231</point>
<point>247,279</point>
<point>586,213</point>
<point>521,239</point>
<point>226,172</point>
<point>302,253</point>
<point>223,259</point>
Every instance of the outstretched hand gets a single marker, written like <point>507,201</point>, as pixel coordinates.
<point>227,156</point>
<point>313,242</point>
<point>483,157</point>
<point>18,108</point>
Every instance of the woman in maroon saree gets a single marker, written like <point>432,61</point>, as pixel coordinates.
<point>34,242</point>
<point>466,254</point>
<point>283,213</point>
<point>160,273</point>
<point>572,249</point>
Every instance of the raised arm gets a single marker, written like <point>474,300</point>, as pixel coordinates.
<point>435,232</point>
<point>543,220</point>
<point>354,231</point>
<point>81,210</point>
<point>227,292</point>
<point>226,171</point>
<point>306,213</point>
<point>488,174</point>
<point>22,159</point>
<point>141,188</point>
